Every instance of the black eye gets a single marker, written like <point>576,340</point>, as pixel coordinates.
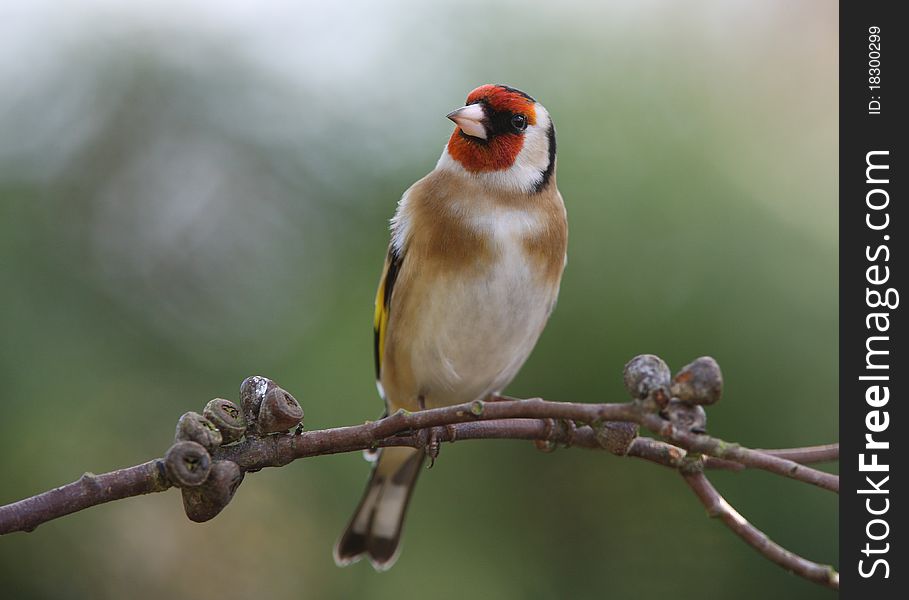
<point>519,123</point>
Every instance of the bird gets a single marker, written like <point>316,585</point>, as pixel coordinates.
<point>472,273</point>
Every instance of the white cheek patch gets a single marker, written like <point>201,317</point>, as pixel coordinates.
<point>534,154</point>
<point>536,143</point>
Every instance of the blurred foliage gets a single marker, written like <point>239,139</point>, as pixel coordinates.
<point>191,193</point>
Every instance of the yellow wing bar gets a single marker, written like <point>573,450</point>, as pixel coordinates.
<point>383,305</point>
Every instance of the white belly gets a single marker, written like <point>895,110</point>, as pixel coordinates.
<point>475,332</point>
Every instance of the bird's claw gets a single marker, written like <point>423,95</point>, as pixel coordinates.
<point>433,446</point>
<point>570,427</point>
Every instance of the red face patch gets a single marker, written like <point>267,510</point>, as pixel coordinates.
<point>501,149</point>
<point>476,156</point>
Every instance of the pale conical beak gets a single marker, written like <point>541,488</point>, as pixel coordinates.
<point>470,119</point>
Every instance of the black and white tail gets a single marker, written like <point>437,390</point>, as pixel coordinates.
<point>375,529</point>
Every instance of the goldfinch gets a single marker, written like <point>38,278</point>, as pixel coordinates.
<point>473,269</point>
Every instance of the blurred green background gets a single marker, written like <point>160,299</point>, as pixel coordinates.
<point>194,192</point>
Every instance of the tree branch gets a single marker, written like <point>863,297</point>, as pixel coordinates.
<point>808,454</point>
<point>213,451</point>
<point>718,507</point>
<point>747,457</point>
<point>254,453</point>
<point>89,490</point>
<point>804,456</point>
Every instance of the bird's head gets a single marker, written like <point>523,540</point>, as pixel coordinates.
<point>504,137</point>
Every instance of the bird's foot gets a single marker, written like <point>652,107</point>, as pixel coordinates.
<point>433,446</point>
<point>569,427</point>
